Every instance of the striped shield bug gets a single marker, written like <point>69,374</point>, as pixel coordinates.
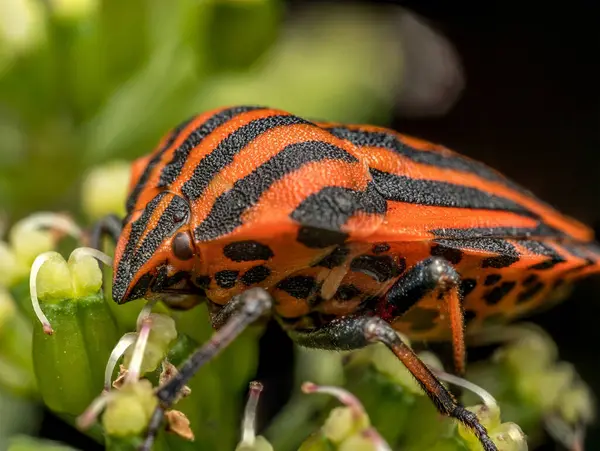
<point>345,234</point>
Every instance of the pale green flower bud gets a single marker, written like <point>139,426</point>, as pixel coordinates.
<point>129,409</point>
<point>105,189</point>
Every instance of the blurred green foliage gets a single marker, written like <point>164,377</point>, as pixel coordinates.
<point>85,81</point>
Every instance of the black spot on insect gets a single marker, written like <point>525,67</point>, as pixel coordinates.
<point>548,264</point>
<point>347,292</point>
<point>380,268</point>
<point>203,281</point>
<point>530,292</point>
<point>494,319</point>
<point>492,279</point>
<point>316,238</point>
<point>247,251</point>
<point>380,248</point>
<point>255,275</point>
<point>300,287</point>
<point>226,278</point>
<point>467,286</point>
<point>496,294</point>
<point>451,254</point>
<point>500,261</point>
<point>421,319</point>
<point>469,316</point>
<point>336,258</point>
<point>531,279</point>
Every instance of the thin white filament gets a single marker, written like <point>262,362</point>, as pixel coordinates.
<point>35,302</point>
<point>248,425</point>
<point>571,438</point>
<point>89,251</point>
<point>485,396</point>
<point>53,221</point>
<point>88,417</point>
<point>137,357</point>
<point>126,340</point>
<point>344,396</point>
<point>145,313</point>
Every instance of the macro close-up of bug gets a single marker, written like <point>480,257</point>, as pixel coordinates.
<point>345,233</point>
<point>298,225</point>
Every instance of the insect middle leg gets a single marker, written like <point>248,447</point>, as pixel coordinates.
<point>355,332</point>
<point>434,274</point>
<point>231,321</point>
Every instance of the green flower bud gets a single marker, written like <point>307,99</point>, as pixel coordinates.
<point>532,350</point>
<point>27,244</point>
<point>11,270</point>
<point>71,351</point>
<point>54,278</point>
<point>162,334</point>
<point>105,188</point>
<point>22,26</point>
<point>343,422</point>
<point>509,437</point>
<point>163,329</point>
<point>16,372</point>
<point>576,404</point>
<point>129,409</point>
<point>86,276</point>
<point>544,389</point>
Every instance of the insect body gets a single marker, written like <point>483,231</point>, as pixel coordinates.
<point>343,233</point>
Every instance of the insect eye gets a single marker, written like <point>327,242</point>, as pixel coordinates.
<point>183,247</point>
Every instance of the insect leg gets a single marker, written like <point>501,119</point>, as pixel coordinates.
<point>109,225</point>
<point>358,331</point>
<point>432,274</point>
<point>247,308</point>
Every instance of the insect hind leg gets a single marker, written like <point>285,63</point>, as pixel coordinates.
<point>355,332</point>
<point>245,309</point>
<point>434,274</point>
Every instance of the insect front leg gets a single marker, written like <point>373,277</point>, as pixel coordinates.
<point>355,332</point>
<point>244,310</point>
<point>110,226</point>
<point>433,274</point>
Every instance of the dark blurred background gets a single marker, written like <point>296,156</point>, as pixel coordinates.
<point>529,106</point>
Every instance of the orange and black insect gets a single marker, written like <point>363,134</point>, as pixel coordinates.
<point>344,233</point>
